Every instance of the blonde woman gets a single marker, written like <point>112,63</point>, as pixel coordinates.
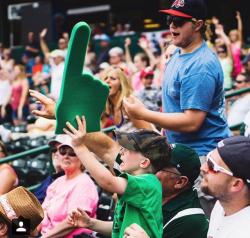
<point>19,94</point>
<point>119,88</point>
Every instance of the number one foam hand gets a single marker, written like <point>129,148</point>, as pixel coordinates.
<point>81,93</point>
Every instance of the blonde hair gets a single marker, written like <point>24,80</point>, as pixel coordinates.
<point>22,74</point>
<point>234,31</point>
<point>125,88</point>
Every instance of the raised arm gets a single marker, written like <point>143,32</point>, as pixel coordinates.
<point>98,171</point>
<point>43,45</point>
<point>128,57</point>
<point>144,44</point>
<point>239,27</point>
<point>220,32</point>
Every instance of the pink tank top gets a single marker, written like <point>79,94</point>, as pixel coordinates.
<point>16,96</point>
<point>236,51</point>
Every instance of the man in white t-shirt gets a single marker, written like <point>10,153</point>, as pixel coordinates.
<point>56,61</point>
<point>241,106</point>
<point>227,178</point>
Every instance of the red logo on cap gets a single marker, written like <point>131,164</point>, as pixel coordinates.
<point>178,3</point>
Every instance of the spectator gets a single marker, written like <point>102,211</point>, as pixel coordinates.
<point>143,153</point>
<point>62,42</point>
<point>227,178</point>
<point>190,116</point>
<point>56,59</point>
<point>41,75</point>
<point>182,213</point>
<point>19,96</point>
<point>8,177</point>
<point>225,56</point>
<point>5,92</point>
<point>6,62</point>
<point>127,29</point>
<point>240,107</point>
<point>119,31</point>
<point>150,95</point>
<point>136,65</point>
<point>20,203</point>
<point>116,57</point>
<point>29,63</point>
<point>72,190</point>
<point>236,38</point>
<point>103,56</point>
<point>32,46</point>
<point>54,144</point>
<point>120,87</point>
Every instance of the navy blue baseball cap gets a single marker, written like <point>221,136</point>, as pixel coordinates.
<point>188,9</point>
<point>235,152</point>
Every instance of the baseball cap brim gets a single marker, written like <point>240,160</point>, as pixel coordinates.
<point>62,139</point>
<point>125,141</point>
<point>175,13</point>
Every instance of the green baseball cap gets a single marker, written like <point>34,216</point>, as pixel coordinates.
<point>186,161</point>
<point>149,143</point>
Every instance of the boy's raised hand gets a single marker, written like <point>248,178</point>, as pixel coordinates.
<point>77,135</point>
<point>81,93</point>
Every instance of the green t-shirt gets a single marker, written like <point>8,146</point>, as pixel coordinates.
<point>193,226</point>
<point>141,203</point>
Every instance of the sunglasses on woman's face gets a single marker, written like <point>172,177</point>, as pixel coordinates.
<point>214,167</point>
<point>53,149</point>
<point>67,150</point>
<point>179,21</point>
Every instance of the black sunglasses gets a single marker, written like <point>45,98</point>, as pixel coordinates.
<point>53,149</point>
<point>179,21</point>
<point>239,82</point>
<point>67,150</point>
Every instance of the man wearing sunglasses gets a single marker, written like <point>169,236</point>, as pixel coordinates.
<point>193,96</point>
<point>227,178</point>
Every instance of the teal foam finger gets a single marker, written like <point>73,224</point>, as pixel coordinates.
<point>81,93</point>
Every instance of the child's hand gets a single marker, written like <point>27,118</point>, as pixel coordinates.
<point>76,135</point>
<point>79,218</point>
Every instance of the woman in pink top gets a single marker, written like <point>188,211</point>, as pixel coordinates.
<point>236,39</point>
<point>8,177</point>
<point>66,193</point>
<point>19,95</point>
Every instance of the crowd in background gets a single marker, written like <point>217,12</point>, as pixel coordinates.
<point>126,73</point>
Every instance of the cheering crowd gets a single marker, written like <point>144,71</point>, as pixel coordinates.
<point>173,166</point>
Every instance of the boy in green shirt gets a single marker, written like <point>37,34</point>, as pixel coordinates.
<point>143,153</point>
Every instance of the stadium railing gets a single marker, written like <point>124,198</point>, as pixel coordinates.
<point>36,151</point>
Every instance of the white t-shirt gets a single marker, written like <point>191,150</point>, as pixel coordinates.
<point>238,110</point>
<point>5,91</point>
<point>233,226</point>
<point>247,124</point>
<point>56,79</point>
